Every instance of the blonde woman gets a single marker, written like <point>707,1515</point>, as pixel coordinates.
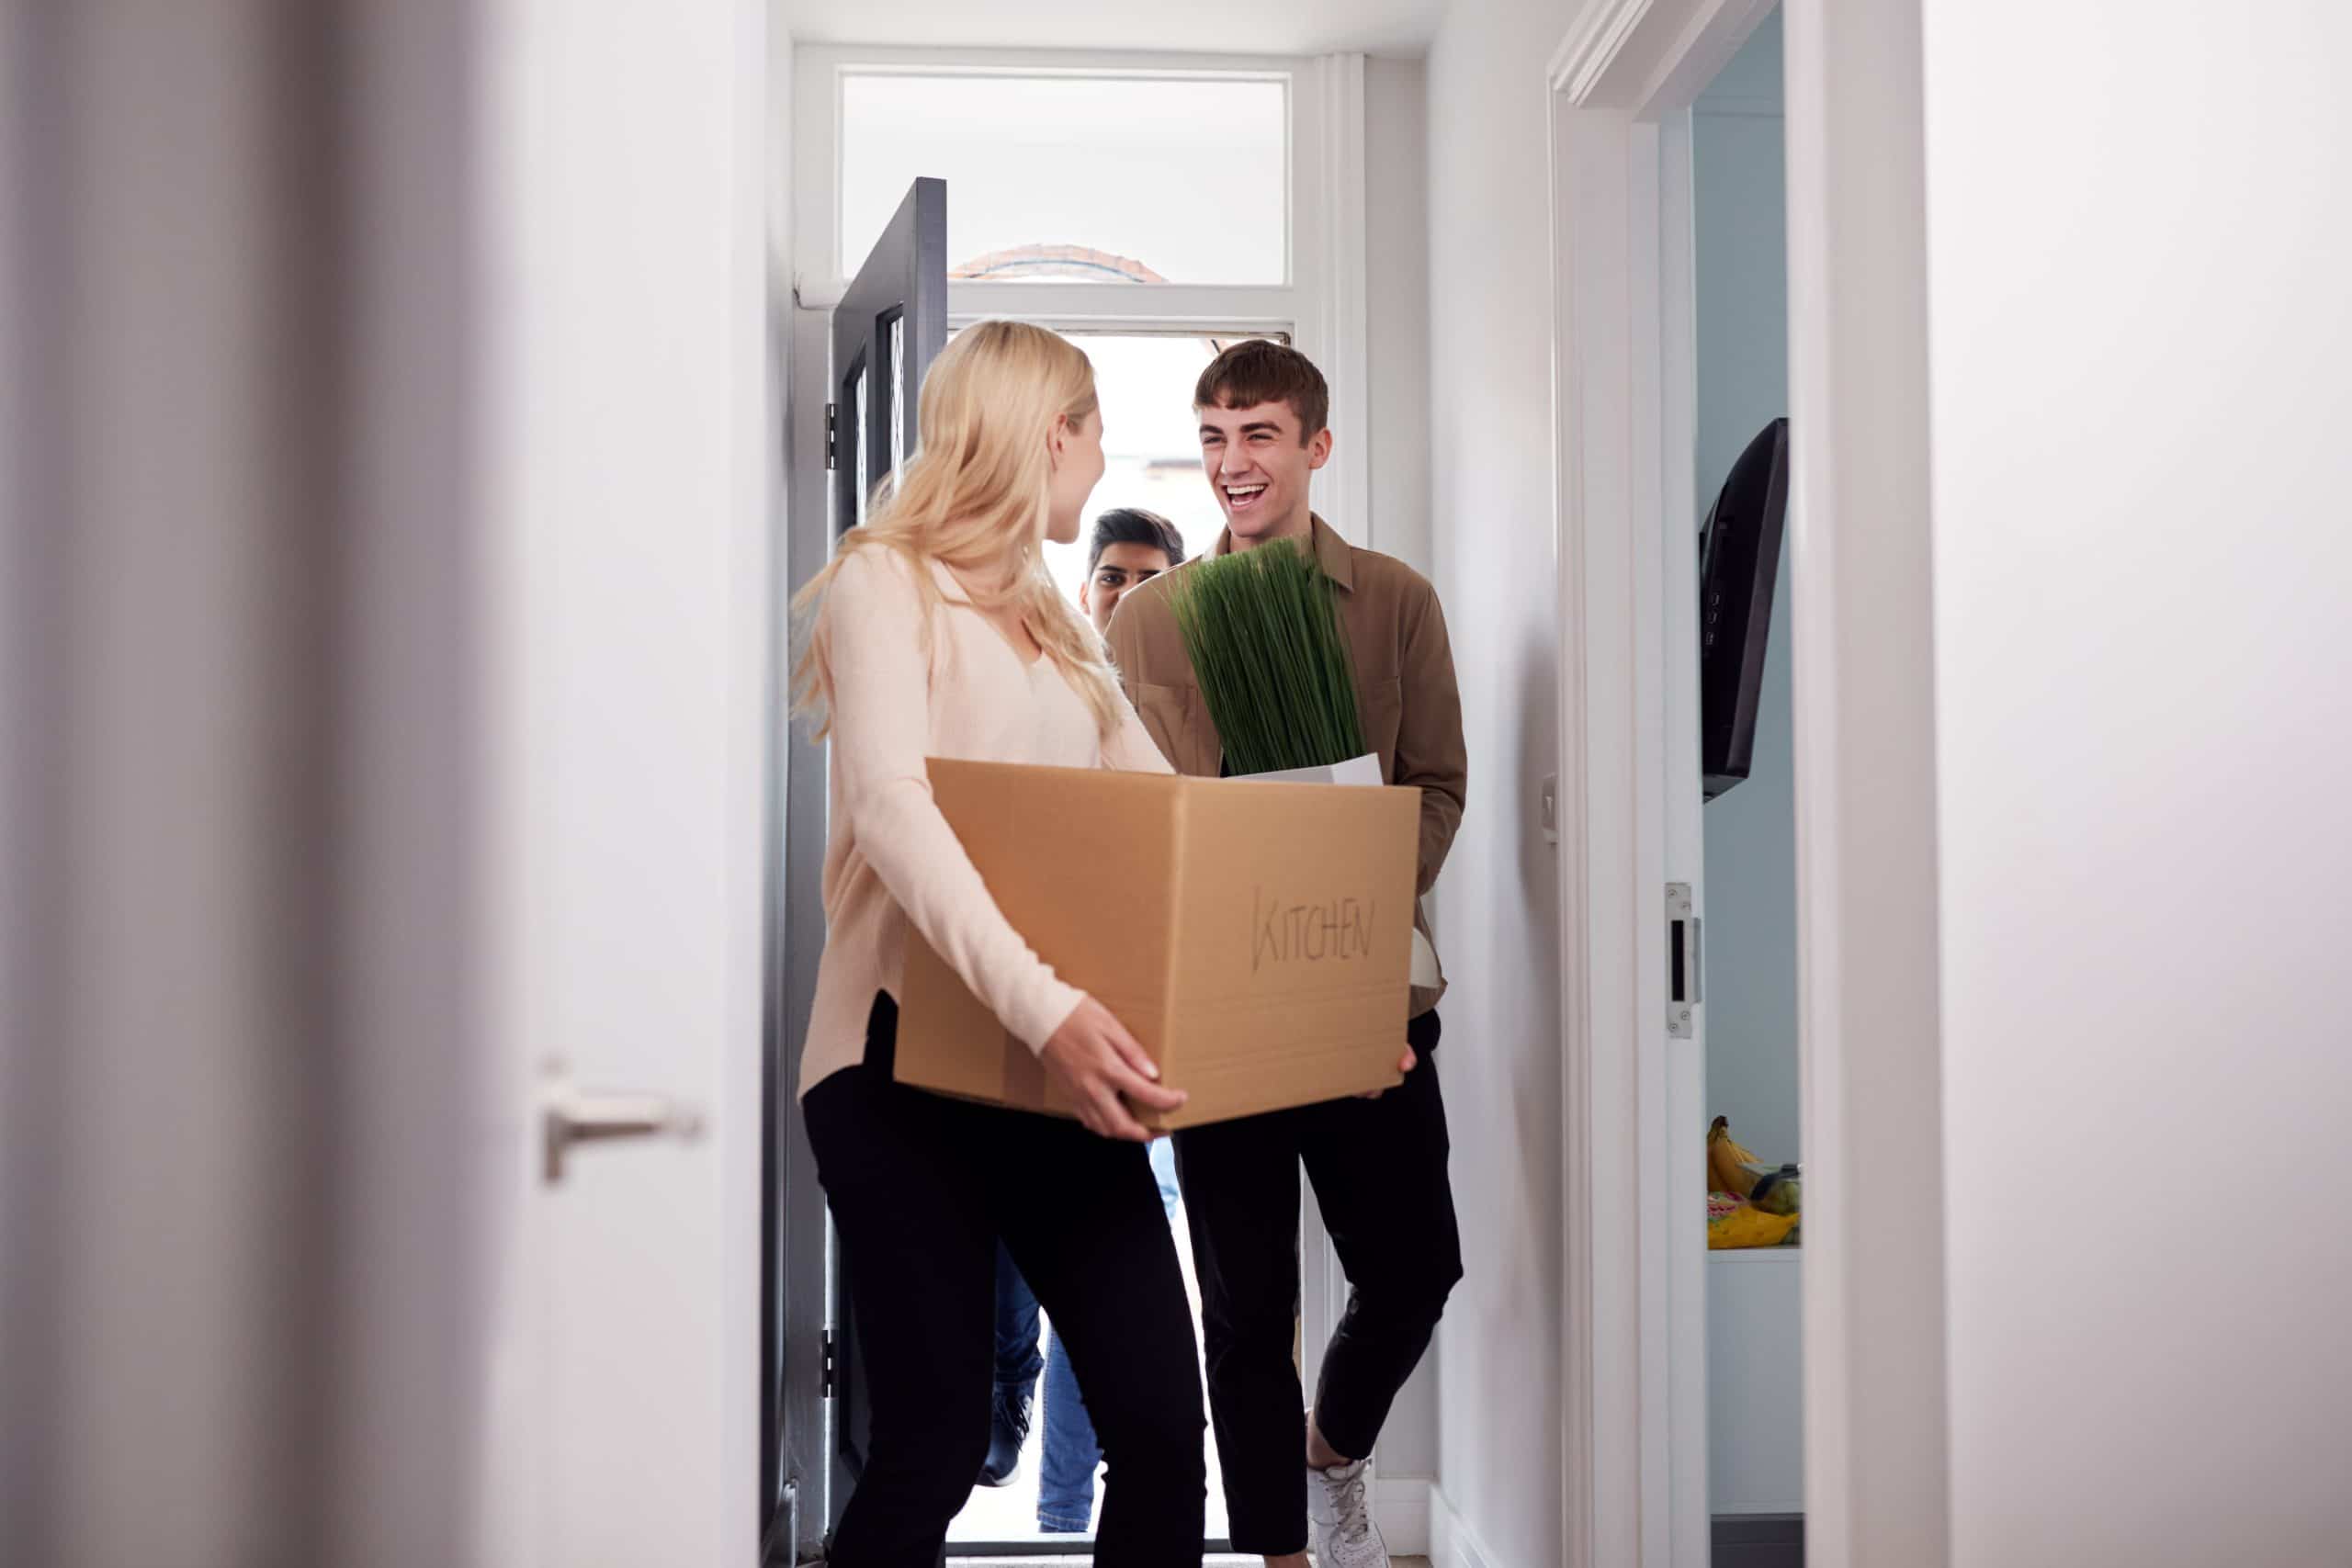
<point>937,632</point>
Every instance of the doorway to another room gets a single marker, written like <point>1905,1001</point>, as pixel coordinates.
<point>1672,323</point>
<point>1747,859</point>
<point>932,193</point>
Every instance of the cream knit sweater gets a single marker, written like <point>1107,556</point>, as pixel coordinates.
<point>899,698</point>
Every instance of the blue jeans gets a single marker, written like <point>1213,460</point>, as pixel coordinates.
<point>1066,1486</point>
<point>1017,1358</point>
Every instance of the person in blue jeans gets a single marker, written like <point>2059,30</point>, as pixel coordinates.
<point>1066,1481</point>
<point>1128,548</point>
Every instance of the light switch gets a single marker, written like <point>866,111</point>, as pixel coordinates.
<point>1551,809</point>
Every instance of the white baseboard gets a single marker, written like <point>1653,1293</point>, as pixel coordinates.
<point>1452,1543</point>
<point>1401,1509</point>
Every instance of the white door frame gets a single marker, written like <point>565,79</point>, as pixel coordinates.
<point>1634,1408</point>
<point>1869,1010</point>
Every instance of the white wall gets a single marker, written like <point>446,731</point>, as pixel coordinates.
<point>1238,27</point>
<point>241,1175</point>
<point>1740,196</point>
<point>1397,291</point>
<point>167,1060</point>
<point>1396,286</point>
<point>1755,1382</point>
<point>1498,902</point>
<point>2139,236</point>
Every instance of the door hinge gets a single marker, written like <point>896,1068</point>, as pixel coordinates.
<point>1683,960</point>
<point>780,1546</point>
<point>783,1549</point>
<point>832,1364</point>
<point>833,436</point>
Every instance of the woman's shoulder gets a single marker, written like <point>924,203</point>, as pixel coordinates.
<point>875,579</point>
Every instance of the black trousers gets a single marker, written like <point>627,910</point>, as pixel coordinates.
<point>922,1189</point>
<point>1378,1167</point>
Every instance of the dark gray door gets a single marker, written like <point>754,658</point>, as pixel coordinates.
<point>886,330</point>
<point>796,1352</point>
<point>888,327</point>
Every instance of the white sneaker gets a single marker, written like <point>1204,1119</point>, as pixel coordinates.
<point>1338,1504</point>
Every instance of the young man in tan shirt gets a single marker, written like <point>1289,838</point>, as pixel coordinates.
<point>1378,1164</point>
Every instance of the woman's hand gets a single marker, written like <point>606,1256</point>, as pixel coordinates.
<point>1405,1064</point>
<point>1095,1061</point>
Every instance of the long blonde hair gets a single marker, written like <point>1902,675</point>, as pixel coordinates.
<point>973,497</point>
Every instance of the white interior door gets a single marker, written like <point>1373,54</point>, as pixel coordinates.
<point>1683,1080</point>
<point>627,464</point>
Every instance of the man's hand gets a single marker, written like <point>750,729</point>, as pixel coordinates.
<point>1095,1061</point>
<point>1405,1064</point>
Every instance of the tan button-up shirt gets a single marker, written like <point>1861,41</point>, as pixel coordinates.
<point>1406,696</point>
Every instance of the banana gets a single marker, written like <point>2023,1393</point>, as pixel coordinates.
<point>1750,1226</point>
<point>1730,1167</point>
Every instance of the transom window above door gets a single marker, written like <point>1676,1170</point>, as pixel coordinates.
<point>1117,197</point>
<point>1077,178</point>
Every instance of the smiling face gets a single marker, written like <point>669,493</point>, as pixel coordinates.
<point>1259,463</point>
<point>1117,570</point>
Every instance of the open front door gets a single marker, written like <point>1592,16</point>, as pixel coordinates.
<point>891,324</point>
<point>888,329</point>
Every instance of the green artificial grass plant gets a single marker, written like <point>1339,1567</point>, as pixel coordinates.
<point>1264,638</point>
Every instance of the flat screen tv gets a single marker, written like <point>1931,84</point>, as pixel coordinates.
<point>1739,565</point>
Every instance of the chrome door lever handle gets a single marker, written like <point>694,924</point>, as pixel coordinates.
<point>573,1118</point>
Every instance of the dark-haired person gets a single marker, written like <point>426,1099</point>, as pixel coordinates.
<point>1378,1164</point>
<point>1129,547</point>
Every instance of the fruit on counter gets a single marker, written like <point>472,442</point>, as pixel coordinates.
<point>1749,1225</point>
<point>1778,1192</point>
<point>1730,1167</point>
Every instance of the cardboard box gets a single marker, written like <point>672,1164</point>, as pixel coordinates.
<point>1257,936</point>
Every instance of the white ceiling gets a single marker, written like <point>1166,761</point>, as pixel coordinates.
<point>1197,27</point>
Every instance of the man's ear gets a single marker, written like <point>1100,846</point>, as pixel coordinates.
<point>1319,449</point>
<point>1085,590</point>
